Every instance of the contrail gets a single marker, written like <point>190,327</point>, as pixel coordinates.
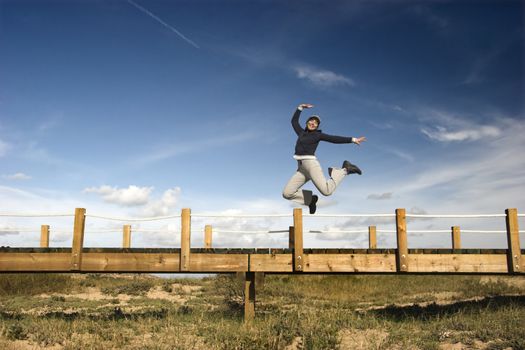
<point>163,23</point>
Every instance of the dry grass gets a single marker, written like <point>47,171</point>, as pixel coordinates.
<point>293,312</point>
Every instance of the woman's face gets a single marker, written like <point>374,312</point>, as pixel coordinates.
<point>312,125</point>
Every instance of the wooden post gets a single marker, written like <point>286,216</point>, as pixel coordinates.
<point>207,236</point>
<point>372,237</point>
<point>185,239</point>
<point>78,239</point>
<point>513,240</point>
<point>249,296</point>
<point>291,234</point>
<point>402,245</point>
<point>44,236</point>
<point>126,239</point>
<point>298,256</point>
<point>456,237</point>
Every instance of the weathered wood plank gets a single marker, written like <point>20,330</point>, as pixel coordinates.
<point>44,236</point>
<point>185,240</point>
<point>130,262</point>
<point>350,263</point>
<point>372,237</point>
<point>298,256</point>
<point>513,240</point>
<point>456,237</point>
<point>271,263</point>
<point>208,232</point>
<point>458,263</point>
<point>249,297</point>
<point>78,238</point>
<point>126,236</point>
<point>402,243</point>
<point>27,262</point>
<point>218,262</point>
<point>91,262</point>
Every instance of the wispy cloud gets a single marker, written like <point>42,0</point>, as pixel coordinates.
<point>490,174</point>
<point>131,196</point>
<point>451,127</point>
<point>5,230</point>
<point>477,132</point>
<point>156,18</point>
<point>382,196</point>
<point>200,145</point>
<point>17,176</point>
<point>483,60</point>
<point>321,77</point>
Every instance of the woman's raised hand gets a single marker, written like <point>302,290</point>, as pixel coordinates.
<point>358,140</point>
<point>306,105</point>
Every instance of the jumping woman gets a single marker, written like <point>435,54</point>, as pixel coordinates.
<point>308,166</point>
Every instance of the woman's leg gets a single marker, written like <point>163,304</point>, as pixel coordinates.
<point>315,172</point>
<point>292,189</point>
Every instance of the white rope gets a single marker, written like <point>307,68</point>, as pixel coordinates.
<point>445,231</point>
<point>456,216</point>
<point>137,231</point>
<point>351,215</point>
<point>241,216</point>
<point>331,232</point>
<point>429,231</point>
<point>484,231</point>
<point>197,215</point>
<point>34,215</point>
<point>251,232</point>
<point>133,219</point>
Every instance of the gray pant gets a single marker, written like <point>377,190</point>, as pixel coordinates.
<point>310,169</point>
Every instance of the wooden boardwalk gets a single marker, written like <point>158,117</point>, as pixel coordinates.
<point>255,262</point>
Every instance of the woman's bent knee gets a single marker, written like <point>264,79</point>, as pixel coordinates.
<point>287,195</point>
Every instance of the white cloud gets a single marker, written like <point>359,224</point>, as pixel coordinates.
<point>18,176</point>
<point>442,134</point>
<point>324,78</point>
<point>165,205</point>
<point>131,196</point>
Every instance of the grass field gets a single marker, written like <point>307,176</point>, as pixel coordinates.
<point>59,311</point>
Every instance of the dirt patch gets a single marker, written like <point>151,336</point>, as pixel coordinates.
<point>186,289</point>
<point>361,339</point>
<point>297,344</point>
<point>91,293</point>
<point>159,293</point>
<point>446,343</point>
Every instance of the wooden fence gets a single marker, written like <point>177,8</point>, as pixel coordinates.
<point>253,263</point>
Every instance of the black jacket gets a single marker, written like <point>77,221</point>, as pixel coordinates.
<point>307,141</point>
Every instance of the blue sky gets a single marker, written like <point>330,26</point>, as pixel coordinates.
<point>140,108</point>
